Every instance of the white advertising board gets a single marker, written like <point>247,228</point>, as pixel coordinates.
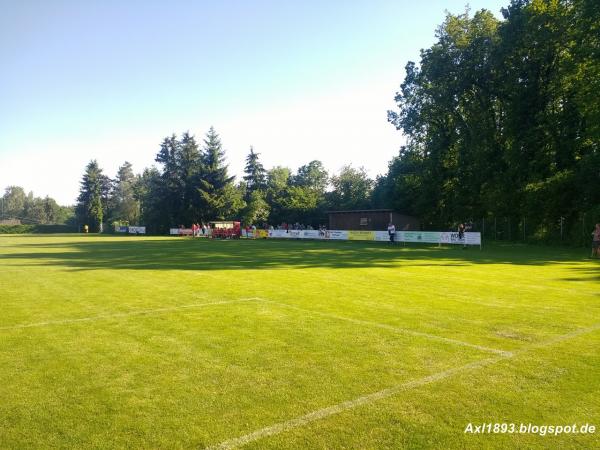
<point>311,234</point>
<point>280,234</point>
<point>338,235</point>
<point>383,236</point>
<point>428,237</point>
<point>181,231</point>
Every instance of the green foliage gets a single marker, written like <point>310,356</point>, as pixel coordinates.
<point>277,184</point>
<point>351,189</point>
<point>149,189</point>
<point>495,117</point>
<point>126,207</point>
<point>215,185</point>
<point>299,204</point>
<point>37,229</point>
<point>91,203</point>
<point>15,204</point>
<point>255,175</point>
<point>16,229</point>
<point>169,197</point>
<point>13,201</point>
<point>256,210</point>
<point>313,176</point>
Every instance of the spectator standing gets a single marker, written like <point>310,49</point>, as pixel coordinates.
<point>461,234</point>
<point>392,232</point>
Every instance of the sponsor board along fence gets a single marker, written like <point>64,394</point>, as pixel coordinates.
<point>429,237</point>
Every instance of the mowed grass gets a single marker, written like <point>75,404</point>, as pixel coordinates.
<point>156,342</point>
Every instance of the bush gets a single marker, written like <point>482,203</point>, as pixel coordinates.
<point>38,229</point>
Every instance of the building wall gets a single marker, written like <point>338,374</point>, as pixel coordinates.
<point>367,220</point>
<point>403,222</point>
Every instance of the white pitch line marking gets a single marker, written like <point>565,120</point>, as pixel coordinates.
<point>385,393</point>
<point>344,406</point>
<point>125,314</point>
<point>391,328</point>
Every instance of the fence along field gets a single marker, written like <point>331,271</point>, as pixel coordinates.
<point>158,342</point>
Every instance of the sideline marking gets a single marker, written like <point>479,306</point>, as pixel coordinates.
<point>385,393</point>
<point>391,328</point>
<point>125,314</point>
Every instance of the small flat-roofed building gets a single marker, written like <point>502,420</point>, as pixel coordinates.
<point>371,219</point>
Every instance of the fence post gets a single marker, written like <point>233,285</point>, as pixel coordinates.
<point>561,227</point>
<point>583,228</point>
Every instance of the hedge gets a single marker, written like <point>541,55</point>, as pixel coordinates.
<point>29,229</point>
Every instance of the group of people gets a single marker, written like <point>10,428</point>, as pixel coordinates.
<point>200,229</point>
<point>294,226</point>
<point>286,226</point>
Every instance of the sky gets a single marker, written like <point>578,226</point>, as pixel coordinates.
<point>298,81</point>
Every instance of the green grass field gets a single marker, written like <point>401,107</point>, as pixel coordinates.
<point>149,342</point>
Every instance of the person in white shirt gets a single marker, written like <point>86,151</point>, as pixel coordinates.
<point>392,232</point>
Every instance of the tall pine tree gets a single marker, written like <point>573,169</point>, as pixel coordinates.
<point>171,186</point>
<point>189,165</point>
<point>215,184</point>
<point>255,174</point>
<point>126,206</point>
<point>90,208</point>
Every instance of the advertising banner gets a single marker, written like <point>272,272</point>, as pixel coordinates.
<point>384,236</point>
<point>340,235</point>
<point>428,237</point>
<point>311,234</point>
<point>473,238</point>
<point>295,234</point>
<point>181,231</point>
<point>279,234</point>
<point>411,236</point>
<point>137,230</point>
<point>470,238</point>
<point>360,235</point>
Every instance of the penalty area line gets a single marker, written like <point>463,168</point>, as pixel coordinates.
<point>125,314</point>
<point>392,328</point>
<point>323,413</point>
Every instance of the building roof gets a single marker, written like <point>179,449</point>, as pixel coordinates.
<point>361,211</point>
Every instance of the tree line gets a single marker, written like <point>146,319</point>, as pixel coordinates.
<point>15,203</point>
<point>192,184</point>
<point>502,118</point>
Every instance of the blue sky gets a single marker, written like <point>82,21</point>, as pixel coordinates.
<point>109,79</point>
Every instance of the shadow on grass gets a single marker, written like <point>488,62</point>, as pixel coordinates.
<point>188,254</point>
<point>585,274</point>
